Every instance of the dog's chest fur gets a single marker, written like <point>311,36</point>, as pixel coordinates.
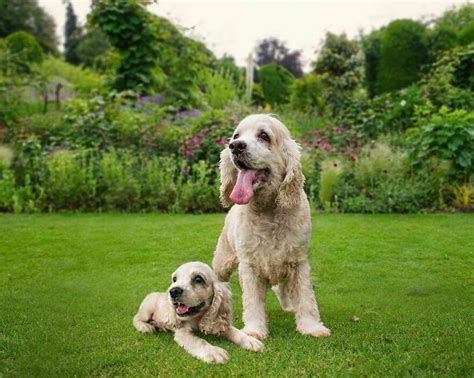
<point>273,243</point>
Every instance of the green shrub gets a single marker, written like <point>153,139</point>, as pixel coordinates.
<point>340,64</point>
<point>466,36</point>
<point>219,89</point>
<point>159,183</point>
<point>331,170</point>
<point>199,193</point>
<point>83,80</point>
<point>381,181</point>
<point>276,83</point>
<point>375,164</point>
<point>7,180</point>
<point>69,182</point>
<point>25,49</point>
<point>447,135</point>
<point>307,94</point>
<point>131,31</point>
<point>403,51</point>
<point>451,79</point>
<point>118,184</point>
<point>258,98</point>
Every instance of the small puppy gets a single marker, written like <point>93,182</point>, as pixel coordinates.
<point>196,300</point>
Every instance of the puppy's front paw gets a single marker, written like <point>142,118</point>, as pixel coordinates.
<point>144,327</point>
<point>215,355</point>
<point>251,343</point>
<point>257,333</point>
<point>313,329</point>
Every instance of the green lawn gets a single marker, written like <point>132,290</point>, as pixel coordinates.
<point>70,284</point>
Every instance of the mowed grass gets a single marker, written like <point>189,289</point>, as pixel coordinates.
<point>70,285</point>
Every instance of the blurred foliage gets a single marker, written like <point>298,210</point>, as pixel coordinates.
<point>403,52</point>
<point>24,50</point>
<point>28,16</point>
<point>276,82</point>
<point>273,51</point>
<point>72,35</point>
<point>156,145</point>
<point>307,94</point>
<point>91,47</point>
<point>340,64</point>
<point>447,135</point>
<point>131,31</point>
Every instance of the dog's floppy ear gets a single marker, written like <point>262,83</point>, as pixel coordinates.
<point>228,177</point>
<point>289,191</point>
<point>218,318</point>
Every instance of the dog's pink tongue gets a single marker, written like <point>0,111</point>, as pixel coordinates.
<point>182,309</point>
<point>243,191</point>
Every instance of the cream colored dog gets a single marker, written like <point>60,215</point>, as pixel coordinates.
<point>267,230</point>
<point>196,300</point>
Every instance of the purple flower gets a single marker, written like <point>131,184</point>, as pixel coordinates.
<point>185,171</point>
<point>158,99</point>
<point>193,113</point>
<point>188,153</point>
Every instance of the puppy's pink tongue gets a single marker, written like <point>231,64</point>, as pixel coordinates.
<point>182,309</point>
<point>243,190</point>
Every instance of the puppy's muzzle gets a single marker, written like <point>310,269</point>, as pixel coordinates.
<point>176,293</point>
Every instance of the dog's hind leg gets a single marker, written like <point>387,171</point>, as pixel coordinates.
<point>225,260</point>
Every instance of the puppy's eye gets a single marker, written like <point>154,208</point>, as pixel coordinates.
<point>236,136</point>
<point>264,136</point>
<point>174,279</point>
<point>199,280</point>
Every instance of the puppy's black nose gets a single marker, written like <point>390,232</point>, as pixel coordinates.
<point>238,146</point>
<point>176,292</point>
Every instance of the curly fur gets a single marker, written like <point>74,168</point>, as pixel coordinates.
<point>218,317</point>
<point>158,313</point>
<point>268,238</point>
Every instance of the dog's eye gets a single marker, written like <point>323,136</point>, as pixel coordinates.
<point>174,279</point>
<point>236,136</point>
<point>199,280</point>
<point>264,136</point>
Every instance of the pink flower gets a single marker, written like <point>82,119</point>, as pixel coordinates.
<point>221,141</point>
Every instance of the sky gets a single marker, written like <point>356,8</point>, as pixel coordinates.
<point>234,27</point>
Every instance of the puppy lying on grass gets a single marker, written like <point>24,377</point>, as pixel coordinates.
<point>196,300</point>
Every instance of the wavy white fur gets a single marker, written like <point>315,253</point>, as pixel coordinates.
<point>158,313</point>
<point>268,238</point>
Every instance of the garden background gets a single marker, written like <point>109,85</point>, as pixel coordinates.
<point>133,114</point>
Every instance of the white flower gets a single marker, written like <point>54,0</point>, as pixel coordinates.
<point>403,103</point>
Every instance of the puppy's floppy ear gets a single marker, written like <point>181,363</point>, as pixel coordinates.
<point>289,191</point>
<point>228,177</point>
<point>218,317</point>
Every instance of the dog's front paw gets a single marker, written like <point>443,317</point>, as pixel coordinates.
<point>215,355</point>
<point>251,343</point>
<point>313,329</point>
<point>257,333</point>
<point>145,327</point>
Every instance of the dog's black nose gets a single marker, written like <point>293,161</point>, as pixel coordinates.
<point>176,292</point>
<point>237,146</point>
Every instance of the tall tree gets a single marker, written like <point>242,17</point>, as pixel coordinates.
<point>133,33</point>
<point>403,52</point>
<point>273,51</point>
<point>27,15</point>
<point>72,34</point>
<point>340,64</point>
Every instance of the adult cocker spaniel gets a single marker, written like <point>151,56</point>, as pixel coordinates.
<point>196,300</point>
<point>267,230</point>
